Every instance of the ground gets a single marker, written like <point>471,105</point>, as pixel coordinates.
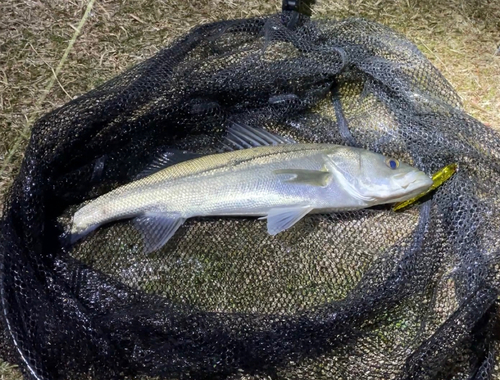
<point>53,51</point>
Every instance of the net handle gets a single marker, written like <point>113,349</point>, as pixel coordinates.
<point>298,8</point>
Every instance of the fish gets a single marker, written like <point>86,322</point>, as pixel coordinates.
<point>267,176</point>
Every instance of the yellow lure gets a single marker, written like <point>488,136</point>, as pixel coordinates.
<point>438,178</point>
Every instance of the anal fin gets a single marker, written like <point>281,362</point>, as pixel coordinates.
<point>282,218</point>
<point>157,229</point>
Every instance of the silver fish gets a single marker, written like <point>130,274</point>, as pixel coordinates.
<point>276,179</point>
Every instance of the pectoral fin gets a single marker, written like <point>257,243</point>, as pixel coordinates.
<point>157,229</point>
<point>280,219</point>
<point>309,177</point>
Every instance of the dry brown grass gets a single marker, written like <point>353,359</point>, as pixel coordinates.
<point>458,36</point>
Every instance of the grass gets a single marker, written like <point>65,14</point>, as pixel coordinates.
<point>40,69</point>
<point>9,372</point>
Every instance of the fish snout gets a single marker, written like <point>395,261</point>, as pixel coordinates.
<point>414,180</point>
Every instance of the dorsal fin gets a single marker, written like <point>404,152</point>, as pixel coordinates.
<point>243,136</point>
<point>165,159</point>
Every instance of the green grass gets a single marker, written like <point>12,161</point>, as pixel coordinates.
<point>9,372</point>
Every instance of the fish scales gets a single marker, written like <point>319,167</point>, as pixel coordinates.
<point>280,180</point>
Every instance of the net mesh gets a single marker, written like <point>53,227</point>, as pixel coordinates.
<point>371,294</point>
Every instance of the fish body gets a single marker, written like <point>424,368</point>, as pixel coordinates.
<point>281,183</point>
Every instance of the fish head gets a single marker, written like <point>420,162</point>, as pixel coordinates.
<point>377,179</point>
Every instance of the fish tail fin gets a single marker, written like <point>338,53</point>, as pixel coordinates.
<point>72,236</point>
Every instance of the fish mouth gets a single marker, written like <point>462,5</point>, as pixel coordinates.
<point>412,183</point>
<point>408,184</point>
<point>413,179</point>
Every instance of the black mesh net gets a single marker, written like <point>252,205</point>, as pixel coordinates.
<point>372,294</point>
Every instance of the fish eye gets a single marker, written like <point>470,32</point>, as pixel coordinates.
<point>392,163</point>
